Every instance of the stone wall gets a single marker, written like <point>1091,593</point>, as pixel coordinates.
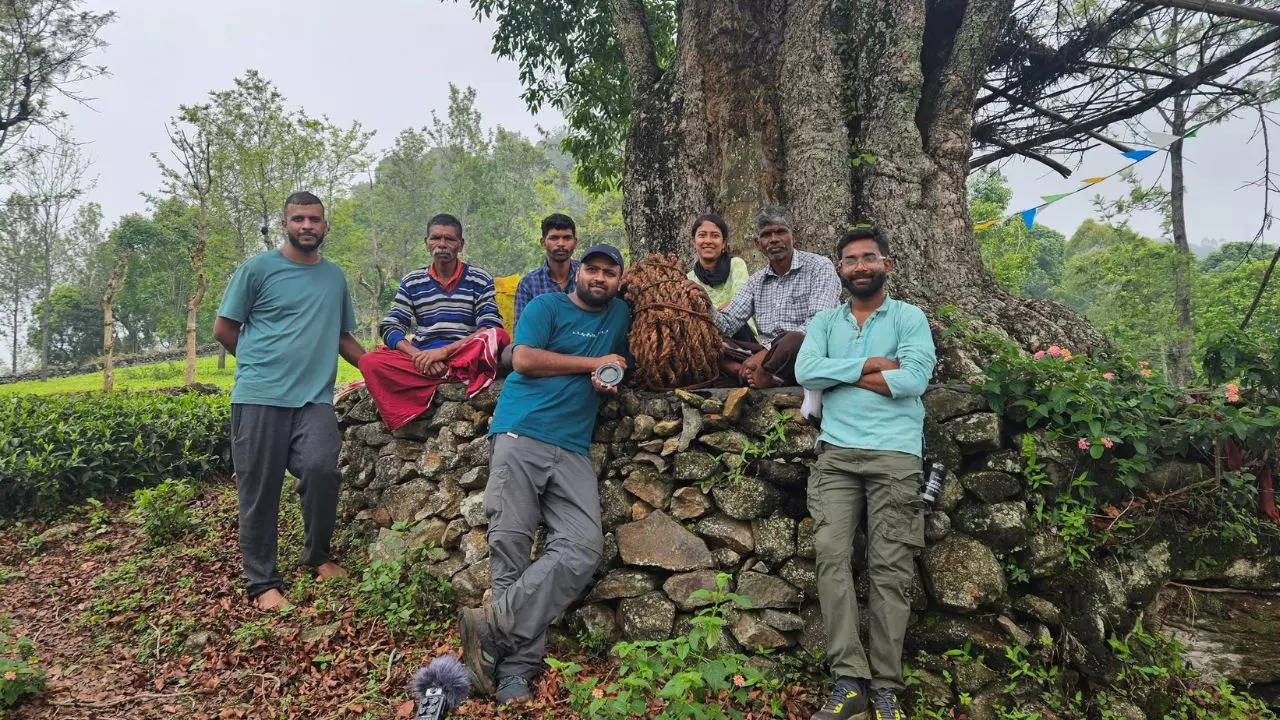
<point>673,520</point>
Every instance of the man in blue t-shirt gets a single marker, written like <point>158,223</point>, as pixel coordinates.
<point>286,316</point>
<point>539,471</point>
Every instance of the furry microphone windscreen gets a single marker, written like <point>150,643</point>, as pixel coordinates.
<point>444,679</point>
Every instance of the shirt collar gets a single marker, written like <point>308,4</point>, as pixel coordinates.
<point>448,283</point>
<point>797,262</point>
<point>573,270</point>
<point>884,307</point>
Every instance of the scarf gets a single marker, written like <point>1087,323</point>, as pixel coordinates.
<point>717,276</point>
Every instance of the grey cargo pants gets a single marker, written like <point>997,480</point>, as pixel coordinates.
<point>530,480</point>
<point>266,441</point>
<point>886,485</point>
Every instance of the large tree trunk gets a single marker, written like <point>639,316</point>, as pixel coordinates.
<point>1180,348</point>
<point>771,101</point>
<point>193,305</point>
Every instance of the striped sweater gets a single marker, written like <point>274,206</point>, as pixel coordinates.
<point>435,317</point>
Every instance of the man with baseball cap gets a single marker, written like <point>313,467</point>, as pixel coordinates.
<point>539,471</point>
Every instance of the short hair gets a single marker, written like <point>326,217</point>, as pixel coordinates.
<point>772,215</point>
<point>447,220</point>
<point>714,219</point>
<point>558,221</point>
<point>863,232</point>
<point>302,197</point>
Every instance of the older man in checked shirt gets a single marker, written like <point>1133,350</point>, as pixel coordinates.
<point>782,298</point>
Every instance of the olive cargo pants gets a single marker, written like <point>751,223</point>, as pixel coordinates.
<point>886,485</point>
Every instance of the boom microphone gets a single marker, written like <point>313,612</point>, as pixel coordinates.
<point>439,687</point>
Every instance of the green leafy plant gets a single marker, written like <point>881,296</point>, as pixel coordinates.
<point>689,676</point>
<point>405,595</point>
<point>57,450</point>
<point>20,674</point>
<point>165,511</point>
<point>744,462</point>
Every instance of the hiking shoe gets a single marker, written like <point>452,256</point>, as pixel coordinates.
<point>479,651</point>
<point>513,688</point>
<point>848,701</point>
<point>884,705</point>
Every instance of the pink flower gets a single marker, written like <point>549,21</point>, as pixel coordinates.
<point>1083,444</point>
<point>1142,363</point>
<point>1039,354</point>
<point>1233,393</point>
<point>1108,376</point>
<point>1144,372</point>
<point>597,692</point>
<point>11,675</point>
<point>1106,442</point>
<point>1055,351</point>
<point>739,681</point>
<point>1066,354</point>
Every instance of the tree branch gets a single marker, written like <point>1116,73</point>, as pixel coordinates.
<point>1262,286</point>
<point>1056,116</point>
<point>1056,166</point>
<point>1224,9</point>
<point>1186,82</point>
<point>637,46</point>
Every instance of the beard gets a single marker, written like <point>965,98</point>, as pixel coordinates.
<point>583,294</point>
<point>297,244</point>
<point>866,291</point>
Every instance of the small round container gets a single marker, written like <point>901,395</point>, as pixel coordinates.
<point>609,374</point>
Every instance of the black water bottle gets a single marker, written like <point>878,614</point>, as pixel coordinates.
<point>933,482</point>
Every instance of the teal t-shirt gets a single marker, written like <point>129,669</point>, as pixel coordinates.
<point>291,315</point>
<point>560,410</point>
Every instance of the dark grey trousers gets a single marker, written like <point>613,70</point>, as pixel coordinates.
<point>530,480</point>
<point>266,441</point>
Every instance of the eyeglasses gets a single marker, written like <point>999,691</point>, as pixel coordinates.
<point>869,259</point>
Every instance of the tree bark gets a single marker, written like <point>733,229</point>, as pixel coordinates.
<point>197,296</point>
<point>1180,348</point>
<point>115,283</point>
<point>776,109</point>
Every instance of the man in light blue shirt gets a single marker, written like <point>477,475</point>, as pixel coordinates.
<point>872,359</point>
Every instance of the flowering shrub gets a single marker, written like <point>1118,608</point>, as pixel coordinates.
<point>1123,410</point>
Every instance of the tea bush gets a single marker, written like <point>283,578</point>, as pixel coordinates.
<point>165,511</point>
<point>20,676</point>
<point>59,450</point>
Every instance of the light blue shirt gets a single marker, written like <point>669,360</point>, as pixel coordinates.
<point>831,359</point>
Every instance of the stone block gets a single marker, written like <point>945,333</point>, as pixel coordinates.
<point>803,574</point>
<point>695,465</point>
<point>774,539</point>
<point>747,498</point>
<point>943,404</point>
<point>679,587</point>
<point>725,531</point>
<point>623,584</point>
<point>979,432</point>
<point>754,633</point>
<point>963,575</point>
<point>650,487</point>
<point>688,503</point>
<point>647,617</point>
<point>658,541</point>
<point>767,591</point>
<point>1004,526</point>
<point>472,507</point>
<point>990,486</point>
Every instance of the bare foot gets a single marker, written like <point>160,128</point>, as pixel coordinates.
<point>331,570</point>
<point>759,378</point>
<point>270,600</point>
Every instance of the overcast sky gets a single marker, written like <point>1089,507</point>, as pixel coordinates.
<point>388,63</point>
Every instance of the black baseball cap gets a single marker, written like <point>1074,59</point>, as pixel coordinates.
<point>608,251</point>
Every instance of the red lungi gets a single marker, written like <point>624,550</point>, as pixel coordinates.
<point>401,393</point>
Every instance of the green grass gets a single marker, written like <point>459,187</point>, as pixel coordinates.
<point>149,376</point>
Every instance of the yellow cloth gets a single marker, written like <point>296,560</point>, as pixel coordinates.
<point>505,295</point>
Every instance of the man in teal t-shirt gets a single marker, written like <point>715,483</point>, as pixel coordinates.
<point>286,315</point>
<point>538,470</point>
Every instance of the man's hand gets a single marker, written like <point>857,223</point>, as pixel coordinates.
<point>878,364</point>
<point>613,390</point>
<point>431,362</point>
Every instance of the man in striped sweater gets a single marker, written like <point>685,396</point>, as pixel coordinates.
<point>437,312</point>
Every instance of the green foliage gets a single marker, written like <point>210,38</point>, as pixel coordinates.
<point>1024,262</point>
<point>165,511</point>
<point>20,673</point>
<point>1152,674</point>
<point>405,594</point>
<point>752,452</point>
<point>74,317</point>
<point>570,60</point>
<point>55,451</point>
<point>688,676</point>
